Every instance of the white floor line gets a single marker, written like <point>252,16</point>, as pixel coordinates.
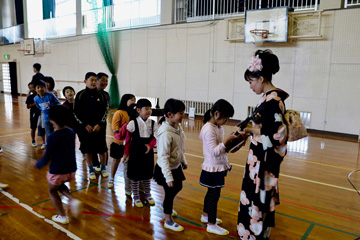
<point>27,207</point>
<point>14,134</point>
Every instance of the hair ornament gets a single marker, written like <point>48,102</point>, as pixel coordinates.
<point>255,64</point>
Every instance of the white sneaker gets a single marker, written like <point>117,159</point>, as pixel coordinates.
<point>104,173</point>
<point>151,201</point>
<point>3,185</point>
<point>92,176</point>
<point>175,227</point>
<point>98,169</point>
<point>43,146</point>
<point>215,229</point>
<point>60,219</point>
<point>111,183</point>
<point>138,203</point>
<point>174,213</point>
<point>0,150</point>
<point>204,219</point>
<point>75,207</point>
<point>33,144</point>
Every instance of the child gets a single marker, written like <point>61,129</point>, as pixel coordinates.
<point>141,159</point>
<point>34,115</point>
<point>216,164</point>
<point>69,94</point>
<point>38,75</point>
<point>44,101</point>
<point>50,85</point>
<point>120,118</point>
<point>171,158</point>
<point>90,111</point>
<point>60,151</point>
<point>101,84</point>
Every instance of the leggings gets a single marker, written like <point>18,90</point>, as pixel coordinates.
<point>135,188</point>
<point>170,194</point>
<point>210,203</point>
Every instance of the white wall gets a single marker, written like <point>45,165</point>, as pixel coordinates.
<point>193,62</point>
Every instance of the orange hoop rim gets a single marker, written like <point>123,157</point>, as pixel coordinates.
<point>24,50</point>
<point>263,33</point>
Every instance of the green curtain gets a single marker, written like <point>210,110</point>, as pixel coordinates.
<point>106,46</point>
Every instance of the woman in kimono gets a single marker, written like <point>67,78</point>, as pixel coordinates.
<point>259,193</point>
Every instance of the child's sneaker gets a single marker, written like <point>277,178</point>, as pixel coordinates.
<point>92,176</point>
<point>43,146</point>
<point>216,230</point>
<point>111,183</point>
<point>3,185</point>
<point>151,201</point>
<point>138,203</point>
<point>33,144</point>
<point>60,219</point>
<point>104,173</point>
<point>97,168</point>
<point>174,213</point>
<point>204,219</point>
<point>128,194</point>
<point>75,207</point>
<point>174,226</point>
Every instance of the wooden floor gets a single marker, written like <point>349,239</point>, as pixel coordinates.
<point>317,201</point>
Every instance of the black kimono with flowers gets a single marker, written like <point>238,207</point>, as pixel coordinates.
<point>259,193</point>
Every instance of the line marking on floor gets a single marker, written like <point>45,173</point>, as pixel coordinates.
<point>14,134</point>
<point>28,208</point>
<point>293,177</point>
<point>280,213</point>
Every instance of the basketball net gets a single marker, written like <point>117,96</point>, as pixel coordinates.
<point>259,35</point>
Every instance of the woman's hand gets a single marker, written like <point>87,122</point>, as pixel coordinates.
<point>170,184</point>
<point>89,128</point>
<point>252,130</point>
<point>148,148</point>
<point>96,128</point>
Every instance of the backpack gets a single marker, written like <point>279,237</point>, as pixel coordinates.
<point>296,128</point>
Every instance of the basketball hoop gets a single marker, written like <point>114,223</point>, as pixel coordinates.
<point>259,34</point>
<point>24,51</point>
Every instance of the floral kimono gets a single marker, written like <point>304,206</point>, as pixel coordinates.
<point>260,192</point>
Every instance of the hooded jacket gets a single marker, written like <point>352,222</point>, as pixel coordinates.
<point>170,149</point>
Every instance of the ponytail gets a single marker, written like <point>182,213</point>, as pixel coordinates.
<point>207,116</point>
<point>162,120</point>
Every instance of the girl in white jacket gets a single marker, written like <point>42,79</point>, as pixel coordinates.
<point>171,159</point>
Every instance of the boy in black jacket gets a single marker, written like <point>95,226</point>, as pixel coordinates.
<point>90,111</point>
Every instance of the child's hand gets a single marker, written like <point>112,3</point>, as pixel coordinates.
<point>148,148</point>
<point>96,128</point>
<point>89,128</point>
<point>170,184</point>
<point>124,159</point>
<point>230,139</point>
<point>184,166</point>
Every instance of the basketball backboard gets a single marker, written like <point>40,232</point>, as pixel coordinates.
<point>273,20</point>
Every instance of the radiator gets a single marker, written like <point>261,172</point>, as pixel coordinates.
<point>154,101</point>
<point>200,107</point>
